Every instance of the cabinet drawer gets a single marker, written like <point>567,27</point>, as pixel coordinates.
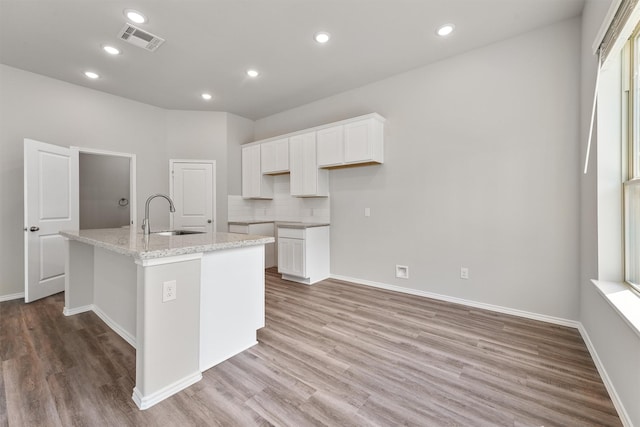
<point>236,228</point>
<point>292,233</point>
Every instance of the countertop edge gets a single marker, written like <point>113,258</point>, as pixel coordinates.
<point>252,240</point>
<point>301,225</point>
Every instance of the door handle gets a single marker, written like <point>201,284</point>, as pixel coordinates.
<point>34,228</point>
<point>209,221</point>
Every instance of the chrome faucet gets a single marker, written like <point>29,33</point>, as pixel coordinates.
<point>145,222</point>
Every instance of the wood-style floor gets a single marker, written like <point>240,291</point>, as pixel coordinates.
<point>331,354</point>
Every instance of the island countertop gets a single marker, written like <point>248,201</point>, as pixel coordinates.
<point>129,242</point>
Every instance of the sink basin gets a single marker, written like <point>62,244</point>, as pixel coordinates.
<point>177,232</point>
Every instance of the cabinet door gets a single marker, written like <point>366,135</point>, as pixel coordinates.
<point>357,141</point>
<point>282,155</point>
<point>248,173</point>
<point>291,257</point>
<point>275,156</point>
<point>330,146</point>
<point>303,164</point>
<point>254,184</point>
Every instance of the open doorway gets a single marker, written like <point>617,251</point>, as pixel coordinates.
<point>106,189</point>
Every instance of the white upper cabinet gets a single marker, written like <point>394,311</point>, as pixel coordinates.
<point>359,141</point>
<point>255,185</point>
<point>275,156</point>
<point>306,179</point>
<point>330,146</point>
<point>364,142</point>
<point>308,154</point>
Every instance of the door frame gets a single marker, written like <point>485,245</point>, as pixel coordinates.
<point>172,162</point>
<point>132,177</point>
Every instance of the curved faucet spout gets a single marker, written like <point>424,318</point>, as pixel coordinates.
<point>146,228</point>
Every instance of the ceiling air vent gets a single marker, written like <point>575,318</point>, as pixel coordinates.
<point>140,38</point>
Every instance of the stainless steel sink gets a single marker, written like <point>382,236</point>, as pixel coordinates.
<point>176,232</point>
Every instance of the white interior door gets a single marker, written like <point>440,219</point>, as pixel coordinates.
<point>192,191</point>
<point>50,205</point>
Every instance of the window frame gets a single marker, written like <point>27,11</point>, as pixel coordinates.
<point>630,143</point>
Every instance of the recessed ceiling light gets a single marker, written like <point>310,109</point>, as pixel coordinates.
<point>111,50</point>
<point>253,73</point>
<point>321,37</point>
<point>206,96</point>
<point>135,16</point>
<point>445,30</point>
<point>91,75</point>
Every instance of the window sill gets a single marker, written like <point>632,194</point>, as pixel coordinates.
<point>623,300</point>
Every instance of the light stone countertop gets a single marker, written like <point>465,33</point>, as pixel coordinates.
<point>251,222</point>
<point>285,224</point>
<point>129,242</point>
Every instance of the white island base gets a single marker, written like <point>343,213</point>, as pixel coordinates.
<point>218,307</point>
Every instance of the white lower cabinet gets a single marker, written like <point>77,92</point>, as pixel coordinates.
<point>261,229</point>
<point>291,257</point>
<point>303,254</point>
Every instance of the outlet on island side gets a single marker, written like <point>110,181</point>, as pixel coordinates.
<point>464,273</point>
<point>169,291</point>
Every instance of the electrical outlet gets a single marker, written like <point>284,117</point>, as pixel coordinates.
<point>464,273</point>
<point>402,272</point>
<point>367,211</point>
<point>169,291</point>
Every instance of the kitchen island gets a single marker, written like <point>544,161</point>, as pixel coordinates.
<point>186,302</point>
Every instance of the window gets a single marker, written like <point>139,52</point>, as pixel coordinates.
<point>631,174</point>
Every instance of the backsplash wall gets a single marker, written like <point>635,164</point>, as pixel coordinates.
<point>283,207</point>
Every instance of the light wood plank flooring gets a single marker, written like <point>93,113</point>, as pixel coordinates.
<point>331,354</point>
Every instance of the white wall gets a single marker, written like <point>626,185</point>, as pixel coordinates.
<point>481,171</point>
<point>615,344</point>
<point>104,180</point>
<point>211,136</point>
<point>48,110</point>
<point>239,131</point>
<point>201,135</point>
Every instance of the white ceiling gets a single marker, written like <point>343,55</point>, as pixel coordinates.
<point>211,43</point>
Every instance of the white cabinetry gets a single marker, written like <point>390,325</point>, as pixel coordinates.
<point>261,229</point>
<point>303,254</point>
<point>255,185</point>
<point>291,257</point>
<point>309,153</point>
<point>275,156</point>
<point>306,179</point>
<point>360,141</point>
<point>330,146</point>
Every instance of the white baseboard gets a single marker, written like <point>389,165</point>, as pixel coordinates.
<point>77,310</point>
<point>106,319</point>
<point>622,413</point>
<point>10,297</point>
<point>114,326</point>
<point>469,303</point>
<point>146,402</point>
